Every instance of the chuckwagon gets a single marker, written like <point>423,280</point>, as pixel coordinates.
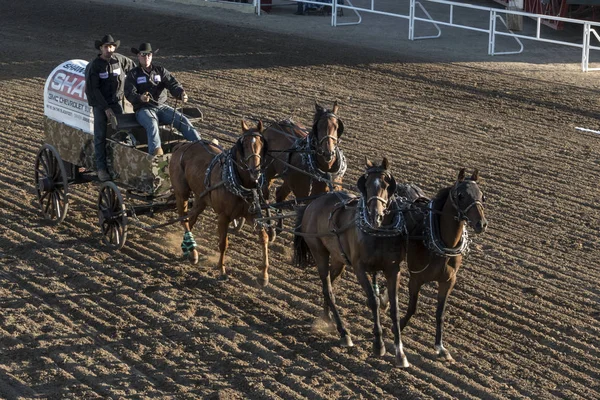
<point>67,158</point>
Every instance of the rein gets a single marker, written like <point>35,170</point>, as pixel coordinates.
<point>322,177</point>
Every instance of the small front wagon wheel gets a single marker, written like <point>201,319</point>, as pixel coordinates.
<point>112,216</point>
<point>51,184</point>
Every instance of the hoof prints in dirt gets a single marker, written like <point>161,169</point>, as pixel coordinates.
<point>522,321</point>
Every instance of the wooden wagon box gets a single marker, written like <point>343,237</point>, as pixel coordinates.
<point>131,166</point>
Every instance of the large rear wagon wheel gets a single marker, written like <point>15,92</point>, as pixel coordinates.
<point>112,216</point>
<point>52,184</point>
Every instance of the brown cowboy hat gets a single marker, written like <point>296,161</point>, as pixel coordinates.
<point>107,39</point>
<point>143,48</point>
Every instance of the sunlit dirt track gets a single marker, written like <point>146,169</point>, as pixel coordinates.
<point>77,321</point>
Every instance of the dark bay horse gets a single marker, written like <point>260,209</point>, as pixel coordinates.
<point>309,164</point>
<point>338,229</point>
<point>437,241</point>
<point>229,182</point>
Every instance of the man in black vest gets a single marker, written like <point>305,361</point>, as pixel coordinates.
<point>105,78</point>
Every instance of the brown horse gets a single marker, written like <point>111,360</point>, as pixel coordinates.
<point>437,241</point>
<point>309,164</point>
<point>367,233</point>
<point>230,182</point>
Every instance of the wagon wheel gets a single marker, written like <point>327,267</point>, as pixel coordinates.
<point>112,216</point>
<point>52,185</point>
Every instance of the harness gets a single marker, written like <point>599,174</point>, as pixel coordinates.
<point>230,178</point>
<point>430,229</point>
<point>396,228</point>
<point>434,242</point>
<point>308,156</point>
<point>342,205</point>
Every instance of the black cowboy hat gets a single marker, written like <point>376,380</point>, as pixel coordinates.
<point>144,48</point>
<point>107,39</point>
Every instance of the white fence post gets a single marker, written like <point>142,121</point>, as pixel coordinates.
<point>585,51</point>
<point>491,36</point>
<point>411,20</point>
<point>589,28</point>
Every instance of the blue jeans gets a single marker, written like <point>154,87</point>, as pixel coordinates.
<point>151,117</point>
<point>100,125</point>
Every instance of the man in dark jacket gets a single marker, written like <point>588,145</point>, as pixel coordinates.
<point>145,89</point>
<point>105,78</point>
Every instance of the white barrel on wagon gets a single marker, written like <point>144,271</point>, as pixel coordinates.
<point>64,96</point>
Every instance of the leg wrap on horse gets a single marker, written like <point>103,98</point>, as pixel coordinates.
<point>188,243</point>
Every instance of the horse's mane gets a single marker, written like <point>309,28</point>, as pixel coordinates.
<point>440,197</point>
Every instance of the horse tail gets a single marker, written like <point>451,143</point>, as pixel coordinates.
<point>302,255</point>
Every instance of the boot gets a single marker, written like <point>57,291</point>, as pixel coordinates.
<point>158,151</point>
<point>103,175</point>
<point>113,122</point>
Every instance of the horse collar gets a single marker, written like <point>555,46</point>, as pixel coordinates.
<point>396,228</point>
<point>434,242</point>
<point>233,183</point>
<point>309,159</point>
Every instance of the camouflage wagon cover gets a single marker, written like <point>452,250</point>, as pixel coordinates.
<point>133,168</point>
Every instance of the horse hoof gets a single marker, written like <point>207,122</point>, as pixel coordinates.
<point>193,257</point>
<point>224,277</point>
<point>445,357</point>
<point>347,341</point>
<point>379,349</point>
<point>402,362</point>
<point>264,282</point>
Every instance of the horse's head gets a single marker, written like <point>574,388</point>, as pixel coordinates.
<point>326,132</point>
<point>468,200</point>
<point>251,150</point>
<point>377,186</point>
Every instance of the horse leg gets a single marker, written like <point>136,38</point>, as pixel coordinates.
<point>378,345</point>
<point>325,274</point>
<point>335,270</point>
<point>414,286</point>
<point>264,240</point>
<point>223,224</point>
<point>444,290</point>
<point>393,278</point>
<point>382,293</point>
<point>188,245</point>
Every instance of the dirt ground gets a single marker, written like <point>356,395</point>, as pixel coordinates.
<point>78,321</point>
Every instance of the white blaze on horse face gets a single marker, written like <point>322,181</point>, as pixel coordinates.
<point>255,155</point>
<point>377,183</point>
<point>376,203</point>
